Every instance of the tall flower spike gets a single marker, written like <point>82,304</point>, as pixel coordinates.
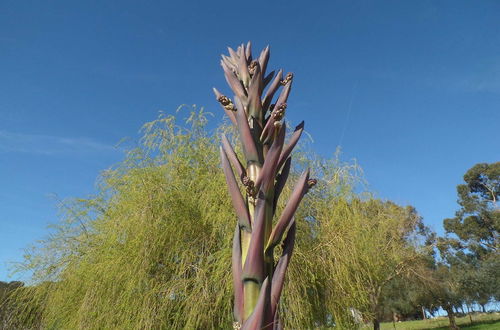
<point>258,282</point>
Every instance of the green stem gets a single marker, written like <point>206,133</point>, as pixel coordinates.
<point>251,290</point>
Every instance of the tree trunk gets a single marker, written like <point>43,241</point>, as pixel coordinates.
<point>451,317</point>
<point>483,307</point>
<point>469,312</point>
<point>424,317</point>
<point>375,296</point>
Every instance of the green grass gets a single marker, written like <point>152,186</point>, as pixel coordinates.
<point>479,322</point>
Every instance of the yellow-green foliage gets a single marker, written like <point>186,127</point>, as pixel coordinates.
<point>153,249</point>
<point>365,244</point>
<point>354,246</point>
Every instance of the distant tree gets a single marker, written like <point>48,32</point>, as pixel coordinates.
<point>473,251</point>
<point>407,297</point>
<point>477,223</point>
<point>470,251</point>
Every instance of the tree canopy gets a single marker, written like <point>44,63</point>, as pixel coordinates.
<point>477,222</point>
<point>470,251</point>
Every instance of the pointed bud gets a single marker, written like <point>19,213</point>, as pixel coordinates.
<point>288,78</point>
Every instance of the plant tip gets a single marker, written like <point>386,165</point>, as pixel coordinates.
<point>311,183</point>
<point>226,103</point>
<point>288,78</point>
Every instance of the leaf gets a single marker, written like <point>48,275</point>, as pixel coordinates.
<point>229,113</point>
<point>248,52</point>
<point>243,68</point>
<point>233,55</point>
<point>235,193</point>
<point>291,144</point>
<point>268,78</point>
<point>286,217</point>
<point>234,82</point>
<point>276,322</point>
<point>261,312</point>
<point>229,62</point>
<point>272,90</point>
<point>281,266</point>
<point>233,158</point>
<point>237,279</point>
<point>240,50</point>
<point>247,141</point>
<point>284,93</point>
<point>267,174</point>
<point>254,93</point>
<point>281,181</point>
<point>268,132</point>
<point>254,263</point>
<point>264,58</point>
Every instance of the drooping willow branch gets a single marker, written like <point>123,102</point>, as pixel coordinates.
<point>258,281</point>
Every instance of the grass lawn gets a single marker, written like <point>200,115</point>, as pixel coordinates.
<point>479,322</point>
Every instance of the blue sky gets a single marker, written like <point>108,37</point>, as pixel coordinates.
<point>411,89</point>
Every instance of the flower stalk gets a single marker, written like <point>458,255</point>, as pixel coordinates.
<point>257,279</point>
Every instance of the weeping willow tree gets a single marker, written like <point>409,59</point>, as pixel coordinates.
<point>387,244</point>
<point>152,249</point>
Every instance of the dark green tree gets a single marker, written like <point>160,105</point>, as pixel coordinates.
<point>476,224</point>
<point>472,251</point>
<point>407,297</point>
